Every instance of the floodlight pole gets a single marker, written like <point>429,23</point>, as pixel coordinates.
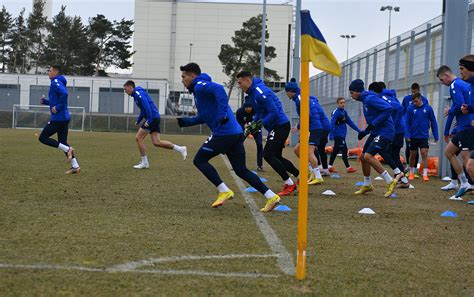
<point>347,36</point>
<point>264,27</point>
<point>296,51</point>
<point>390,8</point>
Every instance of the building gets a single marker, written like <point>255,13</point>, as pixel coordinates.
<point>172,33</point>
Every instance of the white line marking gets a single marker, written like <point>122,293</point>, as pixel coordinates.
<point>285,260</point>
<point>136,264</point>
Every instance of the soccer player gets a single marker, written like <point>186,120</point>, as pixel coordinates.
<point>398,117</point>
<point>245,116</point>
<point>339,120</point>
<point>415,88</point>
<point>466,68</point>
<point>420,117</point>
<point>269,110</point>
<point>59,120</point>
<point>323,140</point>
<point>227,138</point>
<point>151,125</point>
<point>377,114</point>
<point>315,130</point>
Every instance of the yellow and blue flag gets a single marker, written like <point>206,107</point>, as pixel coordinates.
<point>314,47</point>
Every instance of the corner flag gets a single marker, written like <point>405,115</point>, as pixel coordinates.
<point>314,49</point>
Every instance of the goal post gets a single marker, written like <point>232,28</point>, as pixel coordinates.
<point>37,116</point>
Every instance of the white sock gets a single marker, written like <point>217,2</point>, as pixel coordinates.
<point>289,182</point>
<point>404,180</point>
<point>74,163</point>
<point>317,172</point>
<point>222,188</point>
<point>463,179</point>
<point>63,147</point>
<point>145,160</point>
<point>425,171</point>
<point>396,171</point>
<point>412,170</point>
<point>178,148</point>
<point>388,179</point>
<point>367,181</point>
<point>269,194</point>
<point>454,182</point>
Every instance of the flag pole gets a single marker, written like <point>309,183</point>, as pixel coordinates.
<point>303,183</point>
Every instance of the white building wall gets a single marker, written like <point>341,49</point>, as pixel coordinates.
<point>207,26</point>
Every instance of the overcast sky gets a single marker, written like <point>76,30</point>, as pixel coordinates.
<point>362,18</point>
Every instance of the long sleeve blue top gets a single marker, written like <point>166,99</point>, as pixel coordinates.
<point>314,120</point>
<point>398,114</point>
<point>378,114</point>
<point>148,110</point>
<point>419,120</point>
<point>459,91</point>
<point>266,104</point>
<point>339,121</point>
<point>212,106</point>
<point>58,98</point>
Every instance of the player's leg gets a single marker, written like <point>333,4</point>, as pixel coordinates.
<point>424,162</point>
<point>63,132</point>
<point>414,144</point>
<point>154,129</point>
<point>315,176</point>
<point>367,186</point>
<point>140,139</point>
<point>45,138</point>
<point>335,151</point>
<point>470,165</point>
<point>258,142</point>
<point>322,152</point>
<point>236,156</point>
<point>395,149</point>
<point>452,148</point>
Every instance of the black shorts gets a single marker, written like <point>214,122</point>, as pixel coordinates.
<point>340,142</point>
<point>464,139</point>
<point>315,136</point>
<point>376,144</point>
<point>398,140</point>
<point>278,136</point>
<point>416,143</point>
<point>153,127</point>
<point>224,144</point>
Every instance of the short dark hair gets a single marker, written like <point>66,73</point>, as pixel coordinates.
<point>244,73</point>
<point>383,84</point>
<point>376,87</point>
<point>416,95</point>
<point>192,68</point>
<point>57,67</point>
<point>130,83</point>
<point>443,69</point>
<point>415,86</point>
<point>339,99</point>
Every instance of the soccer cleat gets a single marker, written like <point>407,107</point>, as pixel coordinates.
<point>454,198</point>
<point>222,197</point>
<point>315,181</point>
<point>311,176</point>
<point>403,185</point>
<point>450,186</point>
<point>351,170</point>
<point>462,191</point>
<point>141,166</point>
<point>69,154</point>
<point>287,190</point>
<point>184,153</point>
<point>73,170</point>
<point>271,204</point>
<point>325,172</point>
<point>411,176</point>
<point>390,188</point>
<point>333,169</point>
<point>364,189</point>
<point>426,178</point>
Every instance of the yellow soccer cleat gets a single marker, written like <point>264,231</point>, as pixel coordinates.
<point>390,188</point>
<point>271,204</point>
<point>223,197</point>
<point>364,189</point>
<point>311,176</point>
<point>315,181</point>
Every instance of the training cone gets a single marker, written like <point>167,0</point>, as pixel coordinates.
<point>264,180</point>
<point>446,178</point>
<point>329,193</point>
<point>366,211</point>
<point>411,186</point>
<point>251,190</point>
<point>378,178</point>
<point>335,175</point>
<point>393,195</point>
<point>282,207</point>
<point>449,213</point>
<point>470,202</point>
<point>359,184</point>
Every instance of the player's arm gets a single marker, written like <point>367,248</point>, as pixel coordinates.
<point>434,124</point>
<point>351,123</point>
<point>190,121</point>
<point>146,108</point>
<point>384,111</point>
<point>44,101</point>
<point>458,101</point>
<point>222,102</point>
<point>61,91</point>
<point>269,105</point>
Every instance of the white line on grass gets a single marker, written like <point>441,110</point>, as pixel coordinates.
<point>285,260</point>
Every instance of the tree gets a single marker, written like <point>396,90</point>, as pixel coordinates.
<point>67,44</point>
<point>36,33</point>
<point>111,42</point>
<point>19,46</point>
<point>6,26</point>
<point>245,53</point>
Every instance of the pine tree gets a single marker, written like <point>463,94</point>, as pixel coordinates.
<point>6,28</point>
<point>36,33</point>
<point>19,46</point>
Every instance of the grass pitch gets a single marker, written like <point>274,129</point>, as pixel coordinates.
<point>63,235</point>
